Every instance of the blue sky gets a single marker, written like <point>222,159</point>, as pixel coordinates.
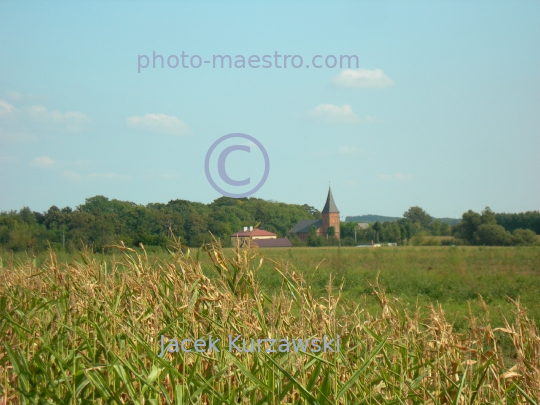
<point>443,111</point>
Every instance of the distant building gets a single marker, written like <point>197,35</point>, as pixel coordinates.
<point>363,225</point>
<point>330,217</point>
<point>269,243</point>
<point>258,237</point>
<point>251,234</point>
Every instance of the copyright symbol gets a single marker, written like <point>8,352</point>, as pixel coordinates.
<point>221,166</point>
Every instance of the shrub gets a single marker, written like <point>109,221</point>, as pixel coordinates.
<point>493,235</point>
<point>421,239</point>
<point>524,237</point>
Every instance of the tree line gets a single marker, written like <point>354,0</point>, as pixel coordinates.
<point>419,228</point>
<point>101,222</point>
<point>415,224</point>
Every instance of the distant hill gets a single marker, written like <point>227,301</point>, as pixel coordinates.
<point>370,219</point>
<point>451,221</point>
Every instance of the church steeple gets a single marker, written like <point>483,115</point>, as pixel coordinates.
<point>330,205</point>
<point>330,216</point>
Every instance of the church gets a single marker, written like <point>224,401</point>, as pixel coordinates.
<point>330,217</point>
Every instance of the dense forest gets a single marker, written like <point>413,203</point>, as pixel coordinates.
<point>100,222</point>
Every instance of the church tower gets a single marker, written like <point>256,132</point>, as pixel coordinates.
<point>330,215</point>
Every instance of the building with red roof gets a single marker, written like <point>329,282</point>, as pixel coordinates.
<point>258,237</point>
<point>250,234</point>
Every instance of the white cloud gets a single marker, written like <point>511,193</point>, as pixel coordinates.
<point>160,123</point>
<point>6,108</point>
<point>80,162</point>
<point>169,175</point>
<point>73,176</point>
<point>396,176</point>
<point>7,159</point>
<point>16,96</point>
<point>334,113</point>
<point>362,78</point>
<point>162,174</point>
<point>251,144</point>
<point>46,161</point>
<point>18,123</point>
<point>346,150</point>
<point>43,161</point>
<point>16,136</point>
<point>368,119</point>
<point>110,176</point>
<point>72,121</point>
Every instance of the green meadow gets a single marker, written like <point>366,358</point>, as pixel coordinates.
<point>453,277</point>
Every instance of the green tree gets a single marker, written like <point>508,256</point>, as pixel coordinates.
<point>347,229</point>
<point>523,220</point>
<point>295,240</point>
<point>377,228</point>
<point>397,232</point>
<point>314,212</point>
<point>331,231</point>
<point>488,217</point>
<point>418,215</point>
<point>524,237</point>
<point>390,232</point>
<point>403,233</point>
<point>445,229</point>
<point>54,218</point>
<point>96,205</point>
<point>468,228</point>
<point>312,239</point>
<point>493,235</point>
<point>435,227</point>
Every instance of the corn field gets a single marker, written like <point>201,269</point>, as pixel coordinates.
<point>88,332</point>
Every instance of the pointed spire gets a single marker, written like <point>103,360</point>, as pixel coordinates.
<point>330,205</point>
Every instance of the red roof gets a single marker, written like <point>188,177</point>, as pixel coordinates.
<point>255,232</point>
<point>279,242</point>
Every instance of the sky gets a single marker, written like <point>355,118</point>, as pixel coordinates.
<point>442,110</point>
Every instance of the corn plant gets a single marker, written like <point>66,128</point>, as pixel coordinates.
<point>88,332</point>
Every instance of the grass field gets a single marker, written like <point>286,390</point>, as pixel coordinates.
<point>451,276</point>
<point>86,328</point>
